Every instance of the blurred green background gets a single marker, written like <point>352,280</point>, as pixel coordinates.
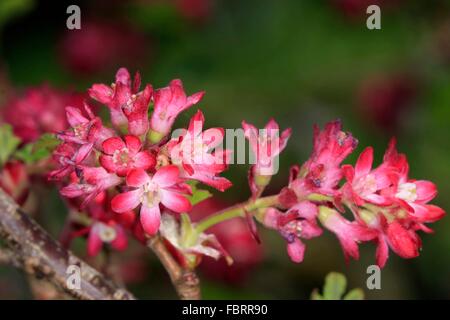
<point>301,62</point>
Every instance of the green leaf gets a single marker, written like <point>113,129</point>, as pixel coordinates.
<point>28,156</point>
<point>334,288</point>
<point>355,294</point>
<point>39,150</point>
<point>8,143</point>
<point>198,195</point>
<point>47,141</point>
<point>335,285</point>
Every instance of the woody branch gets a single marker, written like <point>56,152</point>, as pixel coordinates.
<point>32,249</point>
<point>185,281</point>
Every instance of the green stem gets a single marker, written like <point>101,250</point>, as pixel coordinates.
<point>236,211</point>
<point>317,197</point>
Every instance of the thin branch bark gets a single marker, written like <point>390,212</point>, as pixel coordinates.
<point>33,250</point>
<point>41,289</point>
<point>7,257</point>
<point>185,281</point>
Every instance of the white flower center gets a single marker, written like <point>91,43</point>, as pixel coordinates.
<point>151,194</point>
<point>367,185</point>
<point>106,233</point>
<point>407,191</point>
<point>121,157</point>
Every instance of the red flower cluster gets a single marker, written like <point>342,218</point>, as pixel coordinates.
<point>387,206</point>
<point>132,165</point>
<point>136,167</point>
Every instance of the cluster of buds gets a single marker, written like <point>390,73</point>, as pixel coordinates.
<point>134,177</point>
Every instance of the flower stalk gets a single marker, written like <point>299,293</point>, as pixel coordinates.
<point>236,211</point>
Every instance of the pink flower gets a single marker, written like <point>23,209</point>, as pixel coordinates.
<point>69,156</point>
<point>121,156</point>
<point>390,204</point>
<point>169,102</point>
<point>348,233</point>
<point>137,111</point>
<point>90,183</point>
<point>122,95</point>
<point>84,130</point>
<point>400,237</point>
<point>163,187</point>
<point>365,184</point>
<point>403,241</point>
<point>413,195</point>
<point>192,153</point>
<point>110,233</point>
<point>298,222</point>
<point>266,145</point>
<point>331,146</point>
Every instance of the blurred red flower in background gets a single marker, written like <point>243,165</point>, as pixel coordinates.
<point>101,46</point>
<point>39,110</point>
<point>195,10</point>
<point>14,181</point>
<point>383,99</point>
<point>236,239</point>
<point>356,9</point>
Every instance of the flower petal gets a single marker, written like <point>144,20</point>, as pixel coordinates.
<point>133,143</point>
<point>75,117</point>
<point>364,162</point>
<point>382,252</point>
<point>425,190</point>
<point>100,92</point>
<point>144,160</point>
<point>123,76</point>
<point>121,241</point>
<point>305,209</point>
<point>426,213</point>
<point>296,250</point>
<point>137,178</point>
<point>150,219</point>
<point>403,242</point>
<point>107,162</point>
<point>126,201</point>
<point>175,201</point>
<point>94,243</point>
<point>112,144</point>
<point>166,176</point>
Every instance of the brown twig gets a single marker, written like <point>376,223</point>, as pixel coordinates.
<point>185,281</point>
<point>33,250</point>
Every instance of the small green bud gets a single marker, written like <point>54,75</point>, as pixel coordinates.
<point>154,136</point>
